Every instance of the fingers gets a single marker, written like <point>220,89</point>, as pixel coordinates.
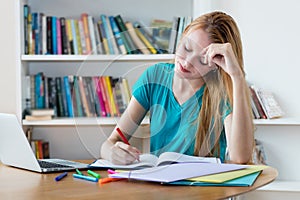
<point>124,154</point>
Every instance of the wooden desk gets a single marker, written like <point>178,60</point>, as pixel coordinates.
<point>21,184</point>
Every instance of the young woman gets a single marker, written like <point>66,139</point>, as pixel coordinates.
<point>198,105</point>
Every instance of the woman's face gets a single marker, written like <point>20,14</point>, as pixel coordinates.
<point>190,63</point>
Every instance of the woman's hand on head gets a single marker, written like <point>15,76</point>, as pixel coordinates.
<point>223,56</point>
<point>123,154</point>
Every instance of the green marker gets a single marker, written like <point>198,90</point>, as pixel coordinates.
<point>94,174</point>
<point>79,172</point>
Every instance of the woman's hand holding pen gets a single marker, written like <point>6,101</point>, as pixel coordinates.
<point>124,154</point>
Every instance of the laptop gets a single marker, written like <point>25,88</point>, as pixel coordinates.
<point>16,151</point>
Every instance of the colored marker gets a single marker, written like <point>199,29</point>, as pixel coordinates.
<point>79,172</point>
<point>108,180</point>
<point>94,174</point>
<point>61,176</point>
<point>87,178</point>
<point>110,171</point>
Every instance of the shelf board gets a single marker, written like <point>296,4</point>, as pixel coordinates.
<point>82,121</point>
<point>279,121</point>
<point>283,186</point>
<point>132,57</point>
<point>113,120</point>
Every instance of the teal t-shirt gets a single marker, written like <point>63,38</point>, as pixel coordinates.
<point>172,126</point>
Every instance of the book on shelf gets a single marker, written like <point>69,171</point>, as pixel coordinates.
<point>84,18</point>
<point>104,41</point>
<point>268,107</point>
<point>40,148</point>
<point>38,118</point>
<point>150,160</point>
<point>108,34</point>
<point>174,33</point>
<point>26,35</point>
<point>138,43</point>
<point>129,44</point>
<point>92,34</point>
<point>117,35</point>
<point>42,112</point>
<point>161,32</point>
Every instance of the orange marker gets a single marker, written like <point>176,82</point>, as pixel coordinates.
<point>108,179</point>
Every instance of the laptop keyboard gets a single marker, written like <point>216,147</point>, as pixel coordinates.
<point>45,164</point>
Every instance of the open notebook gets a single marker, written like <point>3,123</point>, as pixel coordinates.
<point>149,160</point>
<point>15,150</point>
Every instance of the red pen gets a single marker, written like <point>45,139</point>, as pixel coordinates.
<point>122,136</point>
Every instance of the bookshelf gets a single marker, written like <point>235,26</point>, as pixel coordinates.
<point>83,132</point>
<point>128,66</point>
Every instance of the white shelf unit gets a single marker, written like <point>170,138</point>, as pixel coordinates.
<point>62,132</point>
<point>130,66</point>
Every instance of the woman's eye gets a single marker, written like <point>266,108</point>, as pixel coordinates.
<point>203,60</point>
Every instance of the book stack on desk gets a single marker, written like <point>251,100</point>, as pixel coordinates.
<point>178,169</point>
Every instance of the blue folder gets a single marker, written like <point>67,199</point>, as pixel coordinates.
<point>244,181</point>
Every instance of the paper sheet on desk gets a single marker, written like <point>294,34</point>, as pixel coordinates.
<point>175,172</point>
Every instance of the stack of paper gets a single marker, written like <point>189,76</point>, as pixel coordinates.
<point>204,174</point>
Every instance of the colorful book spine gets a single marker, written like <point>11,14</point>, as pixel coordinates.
<point>84,17</point>
<point>107,33</point>
<point>68,96</point>
<point>105,96</point>
<point>49,35</point>
<point>82,37</point>
<point>146,41</point>
<point>92,34</point>
<point>104,37</point>
<point>138,43</point>
<point>100,97</point>
<point>64,37</point>
<point>54,36</point>
<point>44,34</point>
<point>59,39</point>
<point>39,90</point>
<point>60,109</point>
<point>77,95</point>
<point>117,34</point>
<point>84,97</point>
<point>112,37</point>
<point>64,98</point>
<point>73,31</point>
<point>70,36</point>
<point>98,39</point>
<point>129,45</point>
<point>78,37</point>
<point>111,97</point>
<point>26,39</point>
<point>30,42</point>
<point>35,32</point>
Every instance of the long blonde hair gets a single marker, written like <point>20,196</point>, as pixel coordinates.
<point>221,28</point>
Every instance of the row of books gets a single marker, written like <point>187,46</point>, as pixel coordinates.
<point>40,148</point>
<point>77,96</point>
<point>87,35</point>
<point>264,105</point>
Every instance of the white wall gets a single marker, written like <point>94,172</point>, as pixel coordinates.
<point>8,57</point>
<point>270,32</point>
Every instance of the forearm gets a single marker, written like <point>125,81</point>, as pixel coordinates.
<point>241,129</point>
